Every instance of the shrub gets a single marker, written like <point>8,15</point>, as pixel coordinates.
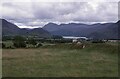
<point>98,41</point>
<point>19,42</point>
<point>39,45</point>
<point>3,45</point>
<point>31,41</point>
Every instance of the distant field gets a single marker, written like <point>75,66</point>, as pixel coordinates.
<point>96,60</point>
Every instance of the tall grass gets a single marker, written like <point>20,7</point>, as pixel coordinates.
<point>60,60</point>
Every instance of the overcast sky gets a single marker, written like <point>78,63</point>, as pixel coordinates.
<point>31,14</point>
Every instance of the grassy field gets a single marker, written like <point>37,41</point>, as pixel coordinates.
<point>95,60</point>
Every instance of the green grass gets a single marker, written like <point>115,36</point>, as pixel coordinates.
<point>96,60</point>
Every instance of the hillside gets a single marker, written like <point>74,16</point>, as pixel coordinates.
<point>11,29</point>
<point>98,31</point>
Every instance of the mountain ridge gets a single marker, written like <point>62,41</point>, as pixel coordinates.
<point>10,29</point>
<point>97,31</point>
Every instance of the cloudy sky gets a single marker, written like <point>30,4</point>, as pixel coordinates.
<point>37,13</point>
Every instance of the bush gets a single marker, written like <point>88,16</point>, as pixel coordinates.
<point>19,42</point>
<point>39,45</point>
<point>31,41</point>
<point>3,45</point>
<point>98,41</point>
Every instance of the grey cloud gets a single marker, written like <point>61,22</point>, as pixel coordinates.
<point>38,14</point>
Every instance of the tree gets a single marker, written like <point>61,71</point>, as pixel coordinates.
<point>32,41</point>
<point>19,42</point>
<point>57,37</point>
<point>3,45</point>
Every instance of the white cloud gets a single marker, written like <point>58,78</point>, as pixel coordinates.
<point>36,14</point>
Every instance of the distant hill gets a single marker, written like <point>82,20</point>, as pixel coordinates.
<point>35,32</point>
<point>97,31</point>
<point>11,29</point>
<point>51,27</point>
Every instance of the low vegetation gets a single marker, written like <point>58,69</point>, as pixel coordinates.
<point>62,60</point>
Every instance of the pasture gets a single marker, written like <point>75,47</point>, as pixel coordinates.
<point>61,60</point>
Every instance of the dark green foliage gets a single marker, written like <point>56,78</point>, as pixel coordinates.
<point>3,45</point>
<point>19,39</point>
<point>32,41</point>
<point>10,47</point>
<point>98,41</point>
<point>39,45</point>
<point>69,46</point>
<point>58,40</point>
<point>5,38</point>
<point>65,41</point>
<point>19,42</point>
<point>57,37</point>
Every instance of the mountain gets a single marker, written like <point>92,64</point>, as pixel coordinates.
<point>11,29</point>
<point>8,28</point>
<point>97,31</point>
<point>51,27</point>
<point>35,32</point>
